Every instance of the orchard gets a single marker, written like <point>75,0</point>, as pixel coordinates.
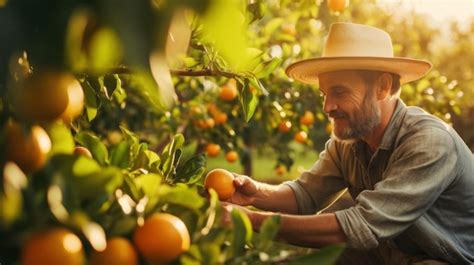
<point>119,119</point>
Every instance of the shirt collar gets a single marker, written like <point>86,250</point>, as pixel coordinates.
<point>389,137</point>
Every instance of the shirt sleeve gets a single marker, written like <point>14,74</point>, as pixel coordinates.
<point>315,186</point>
<point>419,170</point>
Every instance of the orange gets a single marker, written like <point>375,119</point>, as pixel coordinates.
<point>284,126</point>
<point>82,151</point>
<point>301,136</point>
<point>75,102</point>
<point>220,117</point>
<point>49,95</point>
<point>337,5</point>
<point>289,28</point>
<point>162,238</point>
<point>222,181</point>
<point>280,170</point>
<point>231,156</point>
<point>119,251</point>
<point>54,246</point>
<point>228,91</point>
<point>27,149</point>
<point>307,118</point>
<point>213,150</point>
<point>205,123</point>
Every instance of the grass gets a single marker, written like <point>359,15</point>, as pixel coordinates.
<point>264,163</point>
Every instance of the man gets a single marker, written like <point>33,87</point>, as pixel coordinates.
<point>411,176</point>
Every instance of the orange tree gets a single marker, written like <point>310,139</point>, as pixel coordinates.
<point>118,79</point>
<point>155,72</point>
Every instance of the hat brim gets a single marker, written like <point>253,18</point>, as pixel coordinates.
<point>408,69</point>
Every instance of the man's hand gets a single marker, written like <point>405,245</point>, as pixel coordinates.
<point>246,190</point>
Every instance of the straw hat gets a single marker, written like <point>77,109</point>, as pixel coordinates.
<point>352,46</point>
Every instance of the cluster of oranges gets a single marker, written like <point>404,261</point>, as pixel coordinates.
<point>160,240</point>
<point>306,119</point>
<point>39,98</point>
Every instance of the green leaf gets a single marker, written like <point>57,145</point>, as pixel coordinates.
<point>224,24</point>
<point>105,50</point>
<point>84,166</point>
<point>91,100</point>
<point>182,195</point>
<point>97,148</point>
<point>61,138</point>
<point>106,181</point>
<point>120,155</point>
<point>272,25</point>
<point>249,102</point>
<point>268,232</point>
<point>149,184</point>
<point>268,68</point>
<point>242,231</point>
<point>192,170</point>
<point>324,256</point>
<point>169,155</point>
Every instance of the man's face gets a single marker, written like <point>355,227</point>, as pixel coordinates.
<point>350,104</point>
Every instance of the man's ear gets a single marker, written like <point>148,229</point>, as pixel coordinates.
<point>384,86</point>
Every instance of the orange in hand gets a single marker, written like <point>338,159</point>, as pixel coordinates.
<point>222,181</point>
<point>162,238</point>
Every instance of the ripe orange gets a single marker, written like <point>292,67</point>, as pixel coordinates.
<point>307,118</point>
<point>82,151</point>
<point>119,251</point>
<point>27,149</point>
<point>205,123</point>
<point>162,238</point>
<point>75,102</point>
<point>213,150</point>
<point>228,91</point>
<point>49,95</point>
<point>231,156</point>
<point>284,126</point>
<point>220,117</point>
<point>54,246</point>
<point>222,181</point>
<point>301,137</point>
<point>280,170</point>
<point>289,28</point>
<point>337,5</point>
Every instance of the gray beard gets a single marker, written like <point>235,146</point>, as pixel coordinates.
<point>363,122</point>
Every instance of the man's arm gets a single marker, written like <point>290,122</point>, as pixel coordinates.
<point>275,198</point>
<point>303,230</point>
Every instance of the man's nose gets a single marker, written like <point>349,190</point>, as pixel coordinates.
<point>329,105</point>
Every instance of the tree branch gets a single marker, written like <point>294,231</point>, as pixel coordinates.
<point>205,72</point>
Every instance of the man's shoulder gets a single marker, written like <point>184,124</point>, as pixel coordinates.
<point>426,127</point>
<point>418,120</point>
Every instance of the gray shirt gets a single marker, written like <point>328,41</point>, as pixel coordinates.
<point>416,190</point>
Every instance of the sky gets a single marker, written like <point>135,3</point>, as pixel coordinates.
<point>440,11</point>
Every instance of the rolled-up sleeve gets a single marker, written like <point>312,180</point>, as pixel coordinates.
<point>419,170</point>
<point>315,186</point>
